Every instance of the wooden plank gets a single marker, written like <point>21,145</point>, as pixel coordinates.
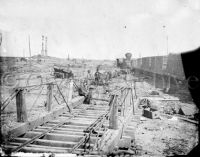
<point>83,119</point>
<point>180,118</point>
<point>100,99</point>
<point>67,126</point>
<point>80,124</point>
<point>35,123</point>
<point>91,114</point>
<point>187,120</point>
<point>71,132</point>
<point>89,117</point>
<point>39,149</point>
<point>113,121</point>
<point>53,136</point>
<point>43,149</point>
<point>44,142</point>
<point>19,130</point>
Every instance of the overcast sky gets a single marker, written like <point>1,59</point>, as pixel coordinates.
<point>101,29</point>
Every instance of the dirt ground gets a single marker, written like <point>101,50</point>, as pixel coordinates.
<point>165,136</point>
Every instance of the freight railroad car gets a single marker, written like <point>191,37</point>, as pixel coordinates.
<point>167,71</point>
<point>170,65</point>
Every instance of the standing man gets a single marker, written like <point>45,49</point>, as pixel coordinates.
<point>89,77</point>
<point>97,76</point>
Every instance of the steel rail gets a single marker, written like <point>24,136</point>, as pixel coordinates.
<point>67,120</point>
<point>91,128</point>
<point>97,124</point>
<point>39,136</point>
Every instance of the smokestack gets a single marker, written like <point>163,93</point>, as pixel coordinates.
<point>128,56</point>
<point>46,46</point>
<point>42,51</point>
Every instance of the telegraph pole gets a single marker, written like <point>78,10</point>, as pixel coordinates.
<point>167,44</point>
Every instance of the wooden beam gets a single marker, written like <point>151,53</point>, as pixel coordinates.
<point>67,104</point>
<point>113,121</point>
<point>100,99</point>
<point>49,97</point>
<point>132,100</point>
<point>21,107</point>
<point>70,93</point>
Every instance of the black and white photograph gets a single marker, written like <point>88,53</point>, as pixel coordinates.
<point>99,78</point>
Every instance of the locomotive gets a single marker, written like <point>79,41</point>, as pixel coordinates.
<point>124,63</point>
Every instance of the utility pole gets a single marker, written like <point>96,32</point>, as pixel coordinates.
<point>164,66</point>
<point>167,44</point>
<point>29,44</point>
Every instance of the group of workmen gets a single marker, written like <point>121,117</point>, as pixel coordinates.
<point>99,78</point>
<point>85,90</point>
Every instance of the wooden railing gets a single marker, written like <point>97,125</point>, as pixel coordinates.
<point>20,95</point>
<point>120,104</point>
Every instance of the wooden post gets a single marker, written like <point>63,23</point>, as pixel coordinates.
<point>70,92</point>
<point>113,121</point>
<point>154,80</point>
<point>49,96</point>
<point>132,101</point>
<point>127,101</point>
<point>21,107</point>
<point>163,82</point>
<point>121,112</point>
<point>122,106</point>
<point>134,87</point>
<point>168,83</point>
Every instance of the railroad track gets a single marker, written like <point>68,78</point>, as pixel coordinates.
<point>66,134</point>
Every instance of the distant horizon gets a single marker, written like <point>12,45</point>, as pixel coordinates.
<point>95,59</point>
<point>57,57</point>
